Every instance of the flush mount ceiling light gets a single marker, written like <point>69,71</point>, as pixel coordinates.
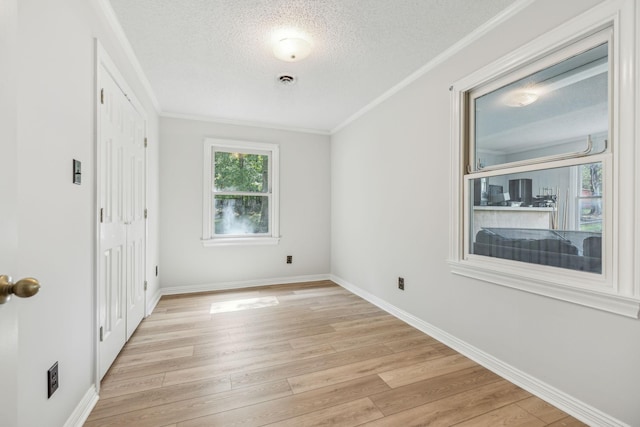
<point>521,98</point>
<point>291,49</point>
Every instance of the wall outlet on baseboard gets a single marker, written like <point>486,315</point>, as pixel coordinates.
<point>401,283</point>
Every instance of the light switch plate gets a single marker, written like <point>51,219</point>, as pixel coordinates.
<point>77,172</point>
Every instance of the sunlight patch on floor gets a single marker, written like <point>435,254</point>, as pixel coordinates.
<point>243,304</point>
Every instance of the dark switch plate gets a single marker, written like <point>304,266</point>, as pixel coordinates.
<point>77,172</point>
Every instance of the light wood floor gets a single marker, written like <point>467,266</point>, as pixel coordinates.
<point>321,356</point>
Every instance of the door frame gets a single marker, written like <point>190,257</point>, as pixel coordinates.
<point>103,64</point>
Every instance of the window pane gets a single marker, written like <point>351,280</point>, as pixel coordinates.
<point>551,112</point>
<point>241,172</point>
<point>590,200</point>
<point>538,217</point>
<point>241,215</point>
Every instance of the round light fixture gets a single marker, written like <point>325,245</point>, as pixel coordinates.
<point>291,49</point>
<point>521,98</point>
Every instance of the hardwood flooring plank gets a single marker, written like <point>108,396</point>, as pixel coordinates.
<point>186,409</point>
<point>426,391</point>
<point>541,409</point>
<point>241,350</point>
<point>358,333</point>
<point>128,360</point>
<point>457,407</point>
<point>511,415</point>
<point>409,343</point>
<point>151,322</point>
<point>292,406</point>
<point>219,339</point>
<point>344,372</point>
<point>233,366</point>
<point>385,319</point>
<point>568,422</point>
<point>424,370</point>
<point>300,367</point>
<point>364,338</point>
<point>348,414</point>
<point>113,406</point>
<point>115,387</point>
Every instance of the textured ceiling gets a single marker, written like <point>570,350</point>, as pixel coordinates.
<point>214,58</point>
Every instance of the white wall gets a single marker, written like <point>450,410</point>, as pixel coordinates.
<point>186,265</point>
<point>390,199</point>
<point>55,124</point>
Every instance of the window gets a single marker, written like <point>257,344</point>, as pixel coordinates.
<point>528,136</point>
<point>240,195</point>
<point>537,168</point>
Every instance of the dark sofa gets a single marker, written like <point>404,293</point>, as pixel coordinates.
<point>546,247</point>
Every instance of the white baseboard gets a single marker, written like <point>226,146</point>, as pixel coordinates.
<point>223,286</point>
<point>153,301</point>
<point>84,408</point>
<point>557,398</point>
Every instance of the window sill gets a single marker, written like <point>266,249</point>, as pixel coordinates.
<point>504,276</point>
<point>241,241</point>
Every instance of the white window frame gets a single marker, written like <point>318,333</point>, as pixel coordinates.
<point>210,146</point>
<point>617,290</point>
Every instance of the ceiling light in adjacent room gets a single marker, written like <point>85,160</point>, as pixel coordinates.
<point>291,49</point>
<point>521,98</point>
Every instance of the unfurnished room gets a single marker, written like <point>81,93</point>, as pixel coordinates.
<point>320,213</point>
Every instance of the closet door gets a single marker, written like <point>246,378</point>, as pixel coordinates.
<point>135,221</point>
<point>112,228</point>
<point>122,222</point>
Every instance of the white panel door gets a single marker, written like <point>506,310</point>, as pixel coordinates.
<point>8,219</point>
<point>135,202</point>
<point>122,201</point>
<point>112,236</point>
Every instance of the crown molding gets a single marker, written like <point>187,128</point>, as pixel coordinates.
<point>231,122</point>
<point>104,7</point>
<point>488,26</point>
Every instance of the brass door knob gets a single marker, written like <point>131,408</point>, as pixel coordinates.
<point>24,288</point>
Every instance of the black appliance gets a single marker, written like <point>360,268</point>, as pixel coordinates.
<point>520,191</point>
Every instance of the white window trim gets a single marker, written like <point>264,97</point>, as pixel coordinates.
<point>618,291</point>
<point>273,238</point>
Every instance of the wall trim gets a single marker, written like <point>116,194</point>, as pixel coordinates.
<point>558,398</point>
<point>83,409</point>
<point>488,26</point>
<point>112,20</point>
<point>223,286</point>
<point>153,302</point>
<point>244,123</point>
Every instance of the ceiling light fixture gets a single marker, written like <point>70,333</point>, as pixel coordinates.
<point>521,98</point>
<point>291,49</point>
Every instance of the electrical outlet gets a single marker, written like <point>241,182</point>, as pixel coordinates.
<point>289,259</point>
<point>53,379</point>
<point>401,283</point>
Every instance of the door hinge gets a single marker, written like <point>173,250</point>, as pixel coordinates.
<point>101,214</point>
<point>145,142</point>
<point>102,96</point>
<point>101,334</point>
<point>146,213</point>
<point>145,285</point>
